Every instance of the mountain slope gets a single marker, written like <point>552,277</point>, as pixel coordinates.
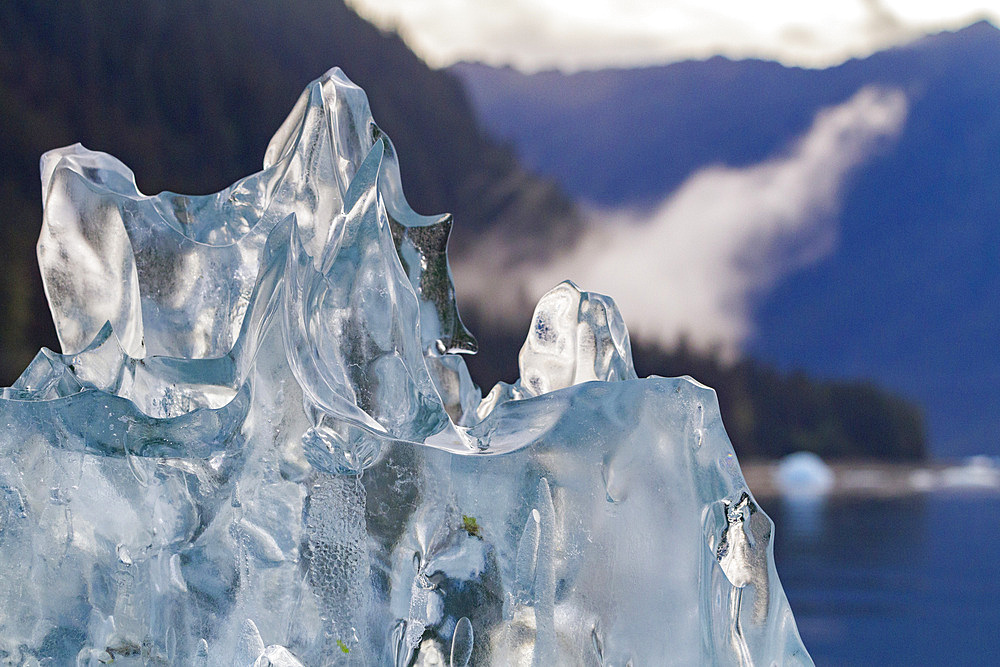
<point>905,297</point>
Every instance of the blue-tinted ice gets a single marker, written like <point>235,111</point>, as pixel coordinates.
<point>261,446</point>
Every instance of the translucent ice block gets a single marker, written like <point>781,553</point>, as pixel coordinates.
<point>261,446</point>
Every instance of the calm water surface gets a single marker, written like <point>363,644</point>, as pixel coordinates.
<point>902,581</point>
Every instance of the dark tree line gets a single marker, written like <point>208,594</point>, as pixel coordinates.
<point>767,412</point>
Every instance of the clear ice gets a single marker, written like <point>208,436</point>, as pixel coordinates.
<point>261,445</point>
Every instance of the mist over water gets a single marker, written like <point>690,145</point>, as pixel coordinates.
<point>695,264</point>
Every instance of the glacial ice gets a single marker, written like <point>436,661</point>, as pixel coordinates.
<point>261,446</point>
<point>803,476</point>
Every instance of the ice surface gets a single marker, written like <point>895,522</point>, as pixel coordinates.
<point>261,447</point>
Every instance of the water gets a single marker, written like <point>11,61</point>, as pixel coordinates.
<point>900,581</point>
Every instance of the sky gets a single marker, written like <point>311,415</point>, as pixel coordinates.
<point>572,35</point>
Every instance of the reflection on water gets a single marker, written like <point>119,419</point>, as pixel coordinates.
<point>805,517</point>
<point>905,580</point>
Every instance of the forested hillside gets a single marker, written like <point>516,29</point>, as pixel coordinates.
<point>188,93</point>
<point>767,412</point>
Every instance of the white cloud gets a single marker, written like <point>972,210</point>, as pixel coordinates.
<point>587,34</point>
<point>696,263</point>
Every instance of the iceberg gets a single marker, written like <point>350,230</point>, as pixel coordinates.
<point>804,476</point>
<point>260,444</point>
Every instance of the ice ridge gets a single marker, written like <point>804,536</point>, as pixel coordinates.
<point>261,445</point>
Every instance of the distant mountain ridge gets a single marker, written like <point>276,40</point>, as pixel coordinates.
<point>907,297</point>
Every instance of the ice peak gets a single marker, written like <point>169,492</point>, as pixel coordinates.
<point>260,445</point>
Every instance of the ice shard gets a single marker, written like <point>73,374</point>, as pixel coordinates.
<point>261,446</point>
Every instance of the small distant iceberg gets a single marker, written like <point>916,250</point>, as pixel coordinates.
<point>977,472</point>
<point>803,475</point>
